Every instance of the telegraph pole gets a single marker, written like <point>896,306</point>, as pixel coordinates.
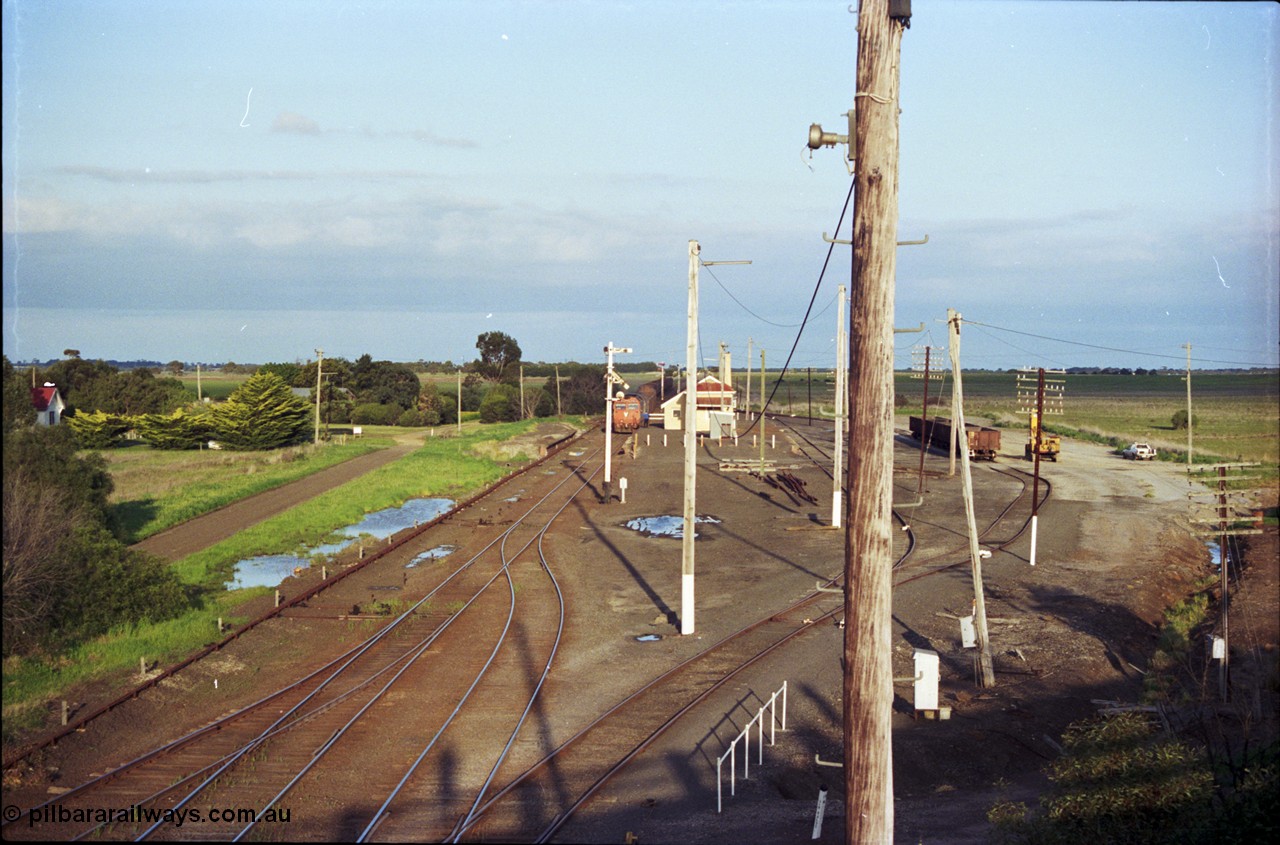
<point>868,647</point>
<point>986,669</point>
<point>459,403</point>
<point>748,405</point>
<point>1187,347</point>
<point>763,408</point>
<point>319,368</point>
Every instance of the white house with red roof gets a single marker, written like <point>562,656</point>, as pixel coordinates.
<point>48,404</point>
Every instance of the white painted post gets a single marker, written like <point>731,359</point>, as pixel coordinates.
<point>760,731</point>
<point>1034,525</point>
<point>819,812</point>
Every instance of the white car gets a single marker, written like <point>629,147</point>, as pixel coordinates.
<point>1140,452</point>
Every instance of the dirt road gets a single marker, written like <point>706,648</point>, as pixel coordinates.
<point>203,531</point>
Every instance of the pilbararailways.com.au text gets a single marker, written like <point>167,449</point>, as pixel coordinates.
<point>133,814</point>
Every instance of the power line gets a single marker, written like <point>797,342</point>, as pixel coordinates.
<point>830,248</point>
<point>1110,348</point>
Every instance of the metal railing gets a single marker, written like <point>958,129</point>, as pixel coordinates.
<point>745,738</point>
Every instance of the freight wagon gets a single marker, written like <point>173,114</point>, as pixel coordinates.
<point>984,443</point>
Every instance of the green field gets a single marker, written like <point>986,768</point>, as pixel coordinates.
<point>1237,415</point>
<point>156,489</point>
<point>215,385</point>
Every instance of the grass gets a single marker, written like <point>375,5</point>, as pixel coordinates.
<point>30,683</point>
<point>157,489</point>
<point>444,467</point>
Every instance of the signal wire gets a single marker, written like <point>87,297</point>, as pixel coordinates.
<point>1110,348</point>
<point>786,366</point>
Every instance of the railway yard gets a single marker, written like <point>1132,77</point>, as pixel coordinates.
<point>516,672</point>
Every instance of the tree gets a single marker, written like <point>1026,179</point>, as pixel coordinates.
<point>179,430</point>
<point>499,357</point>
<point>97,429</point>
<point>262,413</point>
<point>66,575</point>
<point>384,383</point>
<point>582,392</point>
<point>501,404</point>
<point>17,408</point>
<point>175,367</point>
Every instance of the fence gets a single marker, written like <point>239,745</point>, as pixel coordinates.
<point>745,738</point>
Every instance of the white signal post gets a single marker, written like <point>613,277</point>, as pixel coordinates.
<point>610,379</point>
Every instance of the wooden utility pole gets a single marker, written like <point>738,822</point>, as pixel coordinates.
<point>868,648</point>
<point>986,669</point>
<point>459,403</point>
<point>319,369</point>
<point>199,391</point>
<point>1187,347</point>
<point>924,421</point>
<point>559,413</point>
<point>842,397</point>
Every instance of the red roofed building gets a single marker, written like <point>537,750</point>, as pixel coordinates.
<point>716,405</point>
<point>48,404</point>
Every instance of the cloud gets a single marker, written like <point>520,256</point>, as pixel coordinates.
<point>287,121</point>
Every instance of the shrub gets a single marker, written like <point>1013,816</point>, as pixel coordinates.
<point>1179,420</point>
<point>179,430</point>
<point>98,430</point>
<point>501,404</point>
<point>412,418</point>
<point>371,413</point>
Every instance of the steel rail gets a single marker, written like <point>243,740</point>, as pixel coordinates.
<point>416,651</point>
<point>507,560</point>
<point>281,724</point>
<point>25,753</point>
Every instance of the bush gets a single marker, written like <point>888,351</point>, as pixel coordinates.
<point>501,404</point>
<point>178,430</point>
<point>1179,420</point>
<point>412,418</point>
<point>98,430</point>
<point>371,413</point>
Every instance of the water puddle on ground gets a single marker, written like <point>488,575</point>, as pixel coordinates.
<point>648,638</point>
<point>270,570</point>
<point>665,526</point>
<point>431,554</point>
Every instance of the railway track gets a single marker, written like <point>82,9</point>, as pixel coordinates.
<point>274,753</point>
<point>256,756</point>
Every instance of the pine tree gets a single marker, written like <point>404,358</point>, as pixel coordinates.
<point>262,414</point>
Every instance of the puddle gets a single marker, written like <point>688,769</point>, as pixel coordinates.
<point>431,554</point>
<point>265,571</point>
<point>648,638</point>
<point>665,526</point>
<point>270,570</point>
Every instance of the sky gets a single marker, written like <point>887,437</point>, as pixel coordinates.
<point>220,180</point>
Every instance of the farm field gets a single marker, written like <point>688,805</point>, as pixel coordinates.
<point>1237,415</point>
